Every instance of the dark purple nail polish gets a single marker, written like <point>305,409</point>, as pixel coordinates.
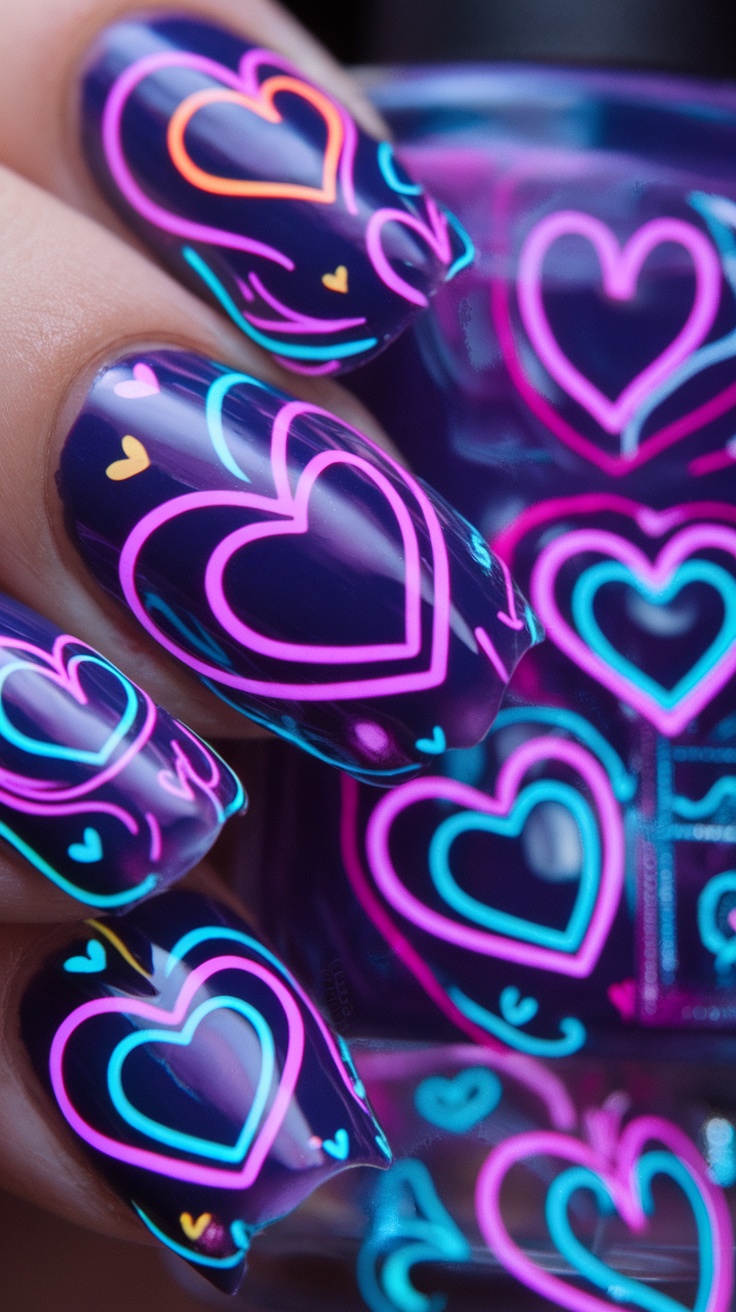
<point>259,191</point>
<point>196,1071</point>
<point>101,790</point>
<point>306,577</point>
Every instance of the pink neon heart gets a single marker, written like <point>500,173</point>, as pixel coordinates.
<point>161,1163</point>
<point>292,506</point>
<point>529,755</point>
<point>656,574</point>
<point>143,383</point>
<point>620,269</point>
<point>708,280</point>
<point>615,1164</point>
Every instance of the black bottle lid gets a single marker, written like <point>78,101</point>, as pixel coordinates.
<point>686,36</point>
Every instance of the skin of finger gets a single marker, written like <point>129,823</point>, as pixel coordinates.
<point>40,1158</point>
<point>72,298</point>
<point>45,44</point>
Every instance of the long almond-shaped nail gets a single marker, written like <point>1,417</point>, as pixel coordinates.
<point>100,789</point>
<point>194,1069</point>
<point>258,189</point>
<point>305,576</point>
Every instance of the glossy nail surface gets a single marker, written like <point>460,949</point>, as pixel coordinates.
<point>260,192</point>
<point>305,576</point>
<point>196,1071</point>
<point>101,790</point>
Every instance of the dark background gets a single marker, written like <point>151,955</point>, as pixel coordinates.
<point>691,36</point>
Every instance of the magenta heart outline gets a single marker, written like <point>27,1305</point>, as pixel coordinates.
<point>578,964</point>
<point>670,721</point>
<point>160,1163</point>
<point>292,505</point>
<point>62,668</point>
<point>246,81</point>
<point>617,1171</point>
<point>620,269</point>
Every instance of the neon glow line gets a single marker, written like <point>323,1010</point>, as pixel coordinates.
<point>294,321</point>
<point>386,164</point>
<point>119,946</point>
<point>199,638</point>
<point>628,684</point>
<point>435,236</point>
<point>621,1175</point>
<point>589,1266</point>
<point>216,1177</point>
<point>712,937</point>
<point>216,394</point>
<point>509,618</point>
<point>624,784</point>
<point>573,1038</point>
<point>620,269</point>
<point>294,506</point>
<point>527,756</point>
<point>190,1254</point>
<point>156,837</point>
<point>468,255</point>
<point>692,809</point>
<point>177,1139</point>
<point>535,794</point>
<point>122,899</point>
<point>486,645</point>
<point>208,933</point>
<point>340,351</point>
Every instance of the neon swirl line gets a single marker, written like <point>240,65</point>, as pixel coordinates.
<point>140,890</point>
<point>201,1259</point>
<point>340,350</point>
<point>200,637</point>
<point>435,236</point>
<point>467,257</point>
<point>573,1038</point>
<point>294,321</point>
<point>695,809</point>
<point>529,755</point>
<point>207,933</point>
<point>487,645</point>
<point>627,1184</point>
<point>387,165</point>
<point>146,1159</point>
<point>294,506</point>
<point>713,671</point>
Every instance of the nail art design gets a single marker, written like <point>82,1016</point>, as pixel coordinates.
<point>260,192</point>
<point>305,576</point>
<point>101,790</point>
<point>195,1069</point>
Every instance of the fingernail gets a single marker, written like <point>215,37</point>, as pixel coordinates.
<point>260,192</point>
<point>101,790</point>
<point>308,579</point>
<point>197,1073</point>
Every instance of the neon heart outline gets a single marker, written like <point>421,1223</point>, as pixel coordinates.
<point>159,1163</point>
<point>292,505</point>
<point>670,721</point>
<point>439,1098</point>
<point>621,1181</point>
<point>246,79</point>
<point>578,964</point>
<point>263,106</point>
<point>620,269</point>
<point>510,826</point>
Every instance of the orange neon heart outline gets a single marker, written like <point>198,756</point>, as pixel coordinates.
<point>266,109</point>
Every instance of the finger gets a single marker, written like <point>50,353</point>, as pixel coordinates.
<point>167,1060</point>
<point>239,169</point>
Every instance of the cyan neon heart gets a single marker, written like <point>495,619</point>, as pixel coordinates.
<point>678,563</point>
<point>692,571</point>
<point>459,1103</point>
<point>176,1139</point>
<point>338,1146</point>
<point>89,850</point>
<point>619,1173</point>
<point>67,678</point>
<point>94,960</point>
<point>622,1288</point>
<point>511,826</point>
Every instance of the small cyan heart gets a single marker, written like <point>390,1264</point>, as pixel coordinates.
<point>337,281</point>
<point>194,1229</point>
<point>89,850</point>
<point>515,1009</point>
<point>143,383</point>
<point>137,459</point>
<point>339,1147</point>
<point>92,963</point>
<point>460,1103</point>
<point>435,745</point>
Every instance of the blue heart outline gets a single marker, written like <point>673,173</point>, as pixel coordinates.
<point>439,1098</point>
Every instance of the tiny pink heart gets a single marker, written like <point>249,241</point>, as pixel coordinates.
<point>143,383</point>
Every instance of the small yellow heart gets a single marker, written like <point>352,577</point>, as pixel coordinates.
<point>137,459</point>
<point>337,281</point>
<point>194,1229</point>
